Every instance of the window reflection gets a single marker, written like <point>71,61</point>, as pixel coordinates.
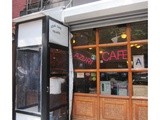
<point>139,30</point>
<point>28,79</point>
<point>114,83</point>
<point>140,84</point>
<point>84,59</point>
<point>140,56</point>
<point>85,82</point>
<point>83,37</point>
<point>113,34</point>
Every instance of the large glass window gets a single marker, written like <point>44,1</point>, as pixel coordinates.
<point>113,34</point>
<point>85,82</point>
<point>84,58</point>
<point>139,30</point>
<point>114,83</point>
<point>83,37</point>
<point>139,55</point>
<point>140,83</point>
<point>119,56</point>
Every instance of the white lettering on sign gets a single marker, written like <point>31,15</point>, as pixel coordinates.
<point>114,55</point>
<point>58,33</point>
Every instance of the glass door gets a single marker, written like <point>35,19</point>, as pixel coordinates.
<point>27,83</point>
<point>58,83</point>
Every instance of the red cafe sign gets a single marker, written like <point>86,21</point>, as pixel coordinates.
<point>114,55</point>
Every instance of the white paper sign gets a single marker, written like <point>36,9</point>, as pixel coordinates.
<point>58,33</point>
<point>138,61</point>
<point>80,75</point>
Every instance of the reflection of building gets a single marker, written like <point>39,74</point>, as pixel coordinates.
<point>113,32</point>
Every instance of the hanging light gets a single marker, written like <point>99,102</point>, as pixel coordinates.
<point>74,41</point>
<point>123,35</point>
<point>138,46</point>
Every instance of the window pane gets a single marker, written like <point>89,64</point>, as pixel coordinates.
<point>140,84</point>
<point>58,61</point>
<point>139,30</point>
<point>28,79</point>
<point>85,82</point>
<point>114,83</point>
<point>83,37</point>
<point>113,34</point>
<point>84,59</point>
<point>113,57</point>
<point>140,56</point>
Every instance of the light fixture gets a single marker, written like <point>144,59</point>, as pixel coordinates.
<point>123,35</point>
<point>132,45</point>
<point>101,52</point>
<point>90,48</point>
<point>138,46</point>
<point>74,41</point>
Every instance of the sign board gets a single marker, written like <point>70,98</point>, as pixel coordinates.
<point>106,87</point>
<point>138,61</point>
<point>58,33</point>
<point>80,75</point>
<point>30,33</point>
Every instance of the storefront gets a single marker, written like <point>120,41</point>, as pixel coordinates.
<point>110,60</point>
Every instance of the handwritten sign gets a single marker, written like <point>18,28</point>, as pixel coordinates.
<point>138,61</point>
<point>83,58</point>
<point>58,33</point>
<point>114,55</point>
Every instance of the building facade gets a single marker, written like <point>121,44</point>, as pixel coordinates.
<point>109,42</point>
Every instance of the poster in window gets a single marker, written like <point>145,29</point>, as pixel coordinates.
<point>138,61</point>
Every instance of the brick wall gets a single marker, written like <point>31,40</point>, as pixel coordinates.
<point>17,6</point>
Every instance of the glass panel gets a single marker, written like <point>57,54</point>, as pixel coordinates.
<point>28,79</point>
<point>140,84</point>
<point>83,37</point>
<point>139,30</point>
<point>58,61</point>
<point>113,34</point>
<point>85,82</point>
<point>84,59</point>
<point>140,56</point>
<point>114,83</point>
<point>113,57</point>
<point>58,105</point>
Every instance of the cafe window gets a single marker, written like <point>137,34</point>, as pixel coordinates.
<point>116,55</point>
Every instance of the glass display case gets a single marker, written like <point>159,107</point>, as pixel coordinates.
<point>41,84</point>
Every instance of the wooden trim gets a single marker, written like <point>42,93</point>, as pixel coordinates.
<point>85,70</point>
<point>113,44</point>
<point>114,70</point>
<point>98,73</point>
<point>84,47</point>
<point>85,94</point>
<point>139,98</point>
<point>128,32</point>
<point>139,41</point>
<point>139,70</point>
<point>114,96</point>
